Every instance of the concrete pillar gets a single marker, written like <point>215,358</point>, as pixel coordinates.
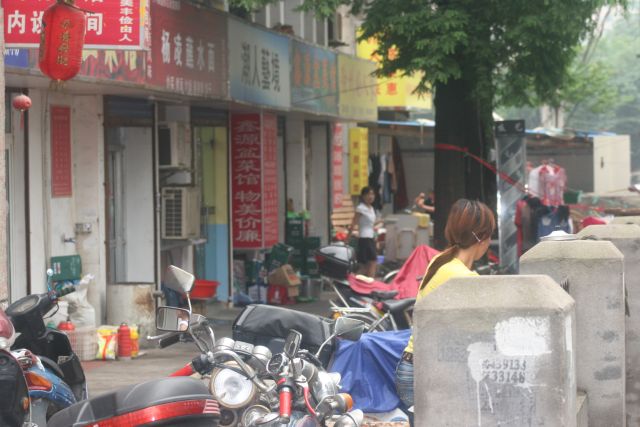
<point>133,304</point>
<point>593,274</point>
<point>495,351</point>
<point>626,237</point>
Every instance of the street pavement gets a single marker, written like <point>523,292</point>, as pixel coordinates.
<point>154,363</point>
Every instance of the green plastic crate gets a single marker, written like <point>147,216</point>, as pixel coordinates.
<point>66,268</point>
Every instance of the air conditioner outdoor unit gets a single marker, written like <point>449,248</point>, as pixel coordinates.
<point>174,145</point>
<point>180,213</point>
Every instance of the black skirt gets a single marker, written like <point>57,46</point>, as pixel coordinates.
<point>366,250</point>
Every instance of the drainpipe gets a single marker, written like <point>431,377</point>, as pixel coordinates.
<point>4,284</point>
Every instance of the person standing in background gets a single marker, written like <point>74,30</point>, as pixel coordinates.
<point>365,220</point>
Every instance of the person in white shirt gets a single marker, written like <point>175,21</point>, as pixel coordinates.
<point>365,220</point>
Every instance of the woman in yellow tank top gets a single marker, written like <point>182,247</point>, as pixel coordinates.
<point>470,225</point>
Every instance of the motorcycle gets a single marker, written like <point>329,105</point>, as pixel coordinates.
<point>14,394</point>
<point>52,370</point>
<point>173,401</point>
<point>360,297</point>
<point>240,377</point>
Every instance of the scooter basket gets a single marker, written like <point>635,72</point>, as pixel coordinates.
<point>269,326</point>
<point>336,261</point>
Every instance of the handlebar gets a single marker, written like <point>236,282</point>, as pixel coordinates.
<point>169,340</point>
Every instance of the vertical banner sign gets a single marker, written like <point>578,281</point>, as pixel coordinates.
<point>270,179</point>
<point>246,182</point>
<point>337,187</point>
<point>511,150</point>
<point>254,183</point>
<point>60,151</point>
<point>358,163</point>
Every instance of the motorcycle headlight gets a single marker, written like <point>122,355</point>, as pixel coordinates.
<point>231,388</point>
<point>326,384</point>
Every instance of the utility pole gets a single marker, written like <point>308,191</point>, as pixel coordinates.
<point>4,229</point>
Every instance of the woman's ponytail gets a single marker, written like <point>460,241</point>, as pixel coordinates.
<point>438,262</point>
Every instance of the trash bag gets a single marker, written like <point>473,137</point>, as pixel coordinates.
<point>368,369</point>
<point>81,312</point>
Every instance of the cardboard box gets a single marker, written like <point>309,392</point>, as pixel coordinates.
<point>293,291</point>
<point>284,276</point>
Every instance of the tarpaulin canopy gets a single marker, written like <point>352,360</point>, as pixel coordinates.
<point>408,278</point>
<point>368,369</point>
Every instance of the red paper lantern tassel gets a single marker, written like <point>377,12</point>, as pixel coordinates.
<point>61,40</point>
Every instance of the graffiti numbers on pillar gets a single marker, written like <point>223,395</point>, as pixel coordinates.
<point>505,371</point>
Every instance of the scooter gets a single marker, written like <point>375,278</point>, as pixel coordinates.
<point>14,394</point>
<point>173,401</point>
<point>53,372</point>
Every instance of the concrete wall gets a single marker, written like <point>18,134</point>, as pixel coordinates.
<point>626,237</point>
<point>593,273</point>
<point>318,159</point>
<point>495,351</point>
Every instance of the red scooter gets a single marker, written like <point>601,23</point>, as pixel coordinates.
<point>174,401</point>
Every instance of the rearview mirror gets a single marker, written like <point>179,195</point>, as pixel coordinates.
<point>292,344</point>
<point>172,319</point>
<point>349,329</point>
<point>179,280</point>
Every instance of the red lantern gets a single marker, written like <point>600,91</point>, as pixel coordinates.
<point>21,103</point>
<point>61,40</point>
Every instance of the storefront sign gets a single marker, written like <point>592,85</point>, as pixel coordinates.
<point>314,81</point>
<point>259,65</point>
<point>395,92</point>
<point>254,184</point>
<point>337,187</point>
<point>270,178</point>
<point>61,151</point>
<point>17,58</point>
<point>116,65</point>
<point>188,49</point>
<point>357,88</point>
<point>358,159</point>
<point>112,24</point>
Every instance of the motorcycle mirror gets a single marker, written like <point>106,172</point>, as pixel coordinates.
<point>292,344</point>
<point>349,329</point>
<point>179,280</point>
<point>49,272</point>
<point>172,319</point>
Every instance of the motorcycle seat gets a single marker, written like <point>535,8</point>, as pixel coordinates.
<point>134,398</point>
<point>395,306</point>
<point>383,295</point>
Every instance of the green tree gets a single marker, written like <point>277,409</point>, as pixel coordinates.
<point>474,55</point>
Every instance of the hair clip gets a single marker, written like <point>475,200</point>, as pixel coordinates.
<point>476,236</point>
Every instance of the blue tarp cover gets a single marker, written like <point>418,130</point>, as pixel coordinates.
<point>368,369</point>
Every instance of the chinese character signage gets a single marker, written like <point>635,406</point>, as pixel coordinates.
<point>259,65</point>
<point>314,80</point>
<point>254,172</point>
<point>188,54</point>
<point>357,85</point>
<point>60,151</point>
<point>395,91</point>
<point>112,24</point>
<point>337,187</point>
<point>359,159</point>
<point>117,65</point>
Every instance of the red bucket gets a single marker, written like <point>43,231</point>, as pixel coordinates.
<point>204,289</point>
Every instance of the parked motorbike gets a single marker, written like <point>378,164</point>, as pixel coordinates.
<point>14,394</point>
<point>243,380</point>
<point>52,370</point>
<point>173,401</point>
<point>377,308</point>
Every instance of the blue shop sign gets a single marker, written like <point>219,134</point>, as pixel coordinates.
<point>17,58</point>
<point>314,80</point>
<point>259,65</point>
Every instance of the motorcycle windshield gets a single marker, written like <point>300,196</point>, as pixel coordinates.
<point>6,327</point>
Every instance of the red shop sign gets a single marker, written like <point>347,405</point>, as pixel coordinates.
<point>60,151</point>
<point>188,49</point>
<point>112,24</point>
<point>254,173</point>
